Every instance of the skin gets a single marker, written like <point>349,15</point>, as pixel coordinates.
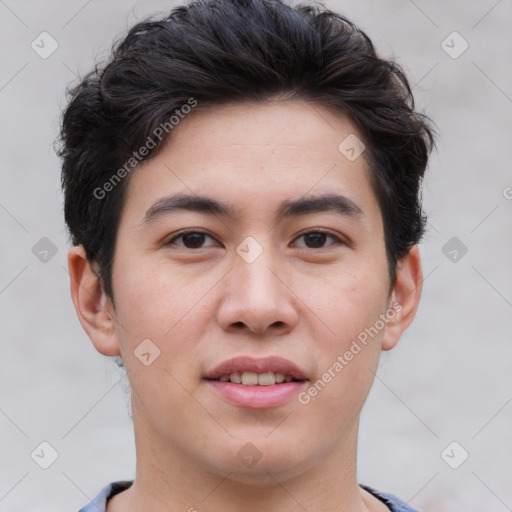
<point>299,300</point>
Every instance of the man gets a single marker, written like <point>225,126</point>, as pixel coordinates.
<point>242,191</point>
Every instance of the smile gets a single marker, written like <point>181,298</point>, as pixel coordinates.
<point>256,396</point>
<point>256,379</point>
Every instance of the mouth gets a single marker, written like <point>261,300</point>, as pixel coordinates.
<point>250,371</point>
<point>257,383</point>
<point>257,379</point>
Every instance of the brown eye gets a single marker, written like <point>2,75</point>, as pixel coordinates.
<point>193,240</point>
<point>190,240</point>
<point>317,239</point>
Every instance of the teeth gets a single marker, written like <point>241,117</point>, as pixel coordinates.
<point>249,379</point>
<point>236,378</point>
<point>266,379</point>
<point>254,379</point>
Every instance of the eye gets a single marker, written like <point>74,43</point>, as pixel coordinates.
<point>317,239</point>
<point>196,240</point>
<point>191,240</point>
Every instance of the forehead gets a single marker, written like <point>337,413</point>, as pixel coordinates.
<point>250,155</point>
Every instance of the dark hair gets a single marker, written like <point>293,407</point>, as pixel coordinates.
<point>214,52</point>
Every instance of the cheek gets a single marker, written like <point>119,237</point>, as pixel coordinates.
<point>344,304</point>
<point>154,305</point>
<point>156,300</point>
<point>347,336</point>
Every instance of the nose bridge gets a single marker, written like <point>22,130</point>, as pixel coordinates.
<point>255,273</point>
<point>256,296</point>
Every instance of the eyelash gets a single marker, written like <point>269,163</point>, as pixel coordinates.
<point>337,240</point>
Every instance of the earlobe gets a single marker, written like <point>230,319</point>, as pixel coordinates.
<point>94,308</point>
<point>405,298</point>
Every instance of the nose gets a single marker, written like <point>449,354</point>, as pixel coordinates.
<point>257,298</point>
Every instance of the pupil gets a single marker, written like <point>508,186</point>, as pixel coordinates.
<point>318,239</point>
<point>193,240</point>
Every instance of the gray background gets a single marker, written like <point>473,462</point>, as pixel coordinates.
<point>448,380</point>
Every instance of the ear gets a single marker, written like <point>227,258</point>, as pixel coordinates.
<point>94,308</point>
<point>404,298</point>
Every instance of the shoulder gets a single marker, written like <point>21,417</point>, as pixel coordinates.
<point>390,500</point>
<point>99,503</point>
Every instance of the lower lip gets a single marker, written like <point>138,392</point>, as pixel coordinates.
<point>257,397</point>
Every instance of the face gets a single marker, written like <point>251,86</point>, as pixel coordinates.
<point>251,235</point>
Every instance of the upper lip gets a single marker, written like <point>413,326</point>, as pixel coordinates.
<point>263,365</point>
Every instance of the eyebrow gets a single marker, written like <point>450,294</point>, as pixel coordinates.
<point>289,208</point>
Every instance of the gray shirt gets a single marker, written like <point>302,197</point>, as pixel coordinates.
<point>99,503</point>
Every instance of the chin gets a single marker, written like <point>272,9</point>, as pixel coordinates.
<point>261,462</point>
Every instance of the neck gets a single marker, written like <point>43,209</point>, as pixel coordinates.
<point>168,480</point>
